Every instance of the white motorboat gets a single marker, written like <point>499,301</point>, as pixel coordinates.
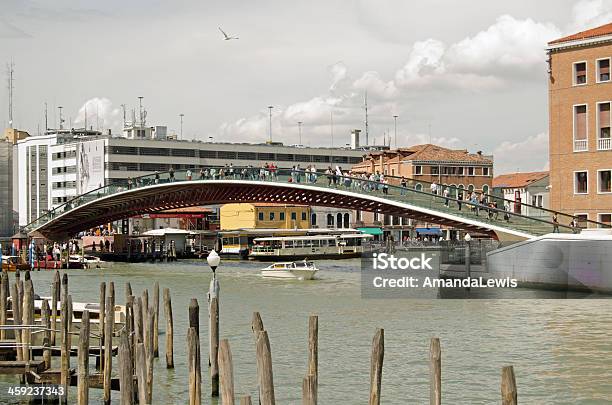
<point>88,261</point>
<point>303,270</point>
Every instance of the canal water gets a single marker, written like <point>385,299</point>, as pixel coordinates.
<point>561,349</point>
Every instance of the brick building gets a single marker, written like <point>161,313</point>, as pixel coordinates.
<point>580,96</point>
<point>432,163</point>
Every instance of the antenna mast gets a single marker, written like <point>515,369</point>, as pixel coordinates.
<point>366,118</point>
<point>46,118</point>
<point>123,107</point>
<point>10,70</point>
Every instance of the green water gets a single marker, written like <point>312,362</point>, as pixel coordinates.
<point>561,349</point>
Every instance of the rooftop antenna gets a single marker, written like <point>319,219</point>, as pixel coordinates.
<point>123,108</point>
<point>10,69</point>
<point>97,116</point>
<point>46,118</point>
<point>331,127</point>
<point>140,110</point>
<point>429,131</point>
<point>366,117</point>
<point>85,119</point>
<point>61,120</point>
<point>270,107</point>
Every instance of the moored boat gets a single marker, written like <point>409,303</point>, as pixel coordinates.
<point>13,263</point>
<point>303,270</point>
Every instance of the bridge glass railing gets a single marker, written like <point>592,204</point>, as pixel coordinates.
<point>538,224</point>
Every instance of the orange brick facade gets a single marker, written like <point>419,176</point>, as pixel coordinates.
<point>564,95</point>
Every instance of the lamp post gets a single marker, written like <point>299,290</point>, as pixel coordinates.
<point>395,124</point>
<point>270,107</point>
<point>181,134</point>
<point>300,130</point>
<point>468,255</point>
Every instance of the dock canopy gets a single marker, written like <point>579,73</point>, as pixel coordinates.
<point>371,231</point>
<point>429,231</point>
<point>166,231</point>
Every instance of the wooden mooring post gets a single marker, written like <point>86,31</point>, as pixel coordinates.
<point>508,386</point>
<point>16,318</point>
<point>214,347</point>
<point>169,329</point>
<point>108,349</point>
<point>226,373</point>
<point>435,372</point>
<point>309,390</point>
<point>126,380</point>
<point>195,378</point>
<point>141,372</point>
<point>156,320</point>
<point>46,323</point>
<point>376,366</point>
<point>27,319</point>
<point>83,362</point>
<point>150,318</point>
<point>246,400</point>
<point>4,280</point>
<point>55,294</point>
<point>265,376</point>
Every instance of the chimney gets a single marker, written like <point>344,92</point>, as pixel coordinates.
<point>355,138</point>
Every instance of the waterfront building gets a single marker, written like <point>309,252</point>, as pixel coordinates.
<point>8,171</point>
<point>432,163</point>
<point>524,188</point>
<point>188,218</point>
<point>423,165</point>
<point>62,164</point>
<point>264,216</point>
<point>580,97</point>
<point>330,217</point>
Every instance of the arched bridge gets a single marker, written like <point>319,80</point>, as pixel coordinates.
<point>162,191</point>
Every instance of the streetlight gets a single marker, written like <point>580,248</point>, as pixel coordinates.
<point>395,122</point>
<point>181,115</point>
<point>213,260</point>
<point>468,257</point>
<point>61,120</point>
<point>270,107</point>
<point>300,130</point>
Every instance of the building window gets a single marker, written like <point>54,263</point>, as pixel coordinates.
<point>418,187</point>
<point>303,216</point>
<point>347,220</point>
<point>271,216</point>
<point>581,183</point>
<point>339,221</point>
<point>605,219</point>
<point>485,189</point>
<point>313,219</point>
<point>281,216</point>
<point>603,181</point>
<point>460,171</point>
<point>603,70</point>
<point>580,128</point>
<point>435,170</point>
<point>294,216</point>
<point>540,201</point>
<point>260,216</point>
<point>603,126</point>
<point>330,221</point>
<point>471,171</point>
<point>580,73</point>
<point>418,170</point>
<point>485,171</point>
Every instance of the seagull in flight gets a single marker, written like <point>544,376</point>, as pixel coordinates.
<point>227,37</point>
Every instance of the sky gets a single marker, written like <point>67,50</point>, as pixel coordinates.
<point>462,74</point>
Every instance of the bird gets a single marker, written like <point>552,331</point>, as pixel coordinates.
<point>227,37</point>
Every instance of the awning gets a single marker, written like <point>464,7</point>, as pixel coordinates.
<point>429,231</point>
<point>371,231</point>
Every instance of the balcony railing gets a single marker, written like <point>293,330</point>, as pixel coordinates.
<point>604,144</point>
<point>580,145</point>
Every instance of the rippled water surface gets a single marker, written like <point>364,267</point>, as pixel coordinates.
<point>561,349</point>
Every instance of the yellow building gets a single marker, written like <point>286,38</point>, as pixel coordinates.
<point>264,215</point>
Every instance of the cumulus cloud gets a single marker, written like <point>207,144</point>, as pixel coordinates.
<point>590,13</point>
<point>339,73</point>
<point>375,85</point>
<point>530,154</point>
<point>99,113</point>
<point>509,42</point>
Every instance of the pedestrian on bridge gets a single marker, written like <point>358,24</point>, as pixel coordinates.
<point>171,174</point>
<point>555,221</point>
